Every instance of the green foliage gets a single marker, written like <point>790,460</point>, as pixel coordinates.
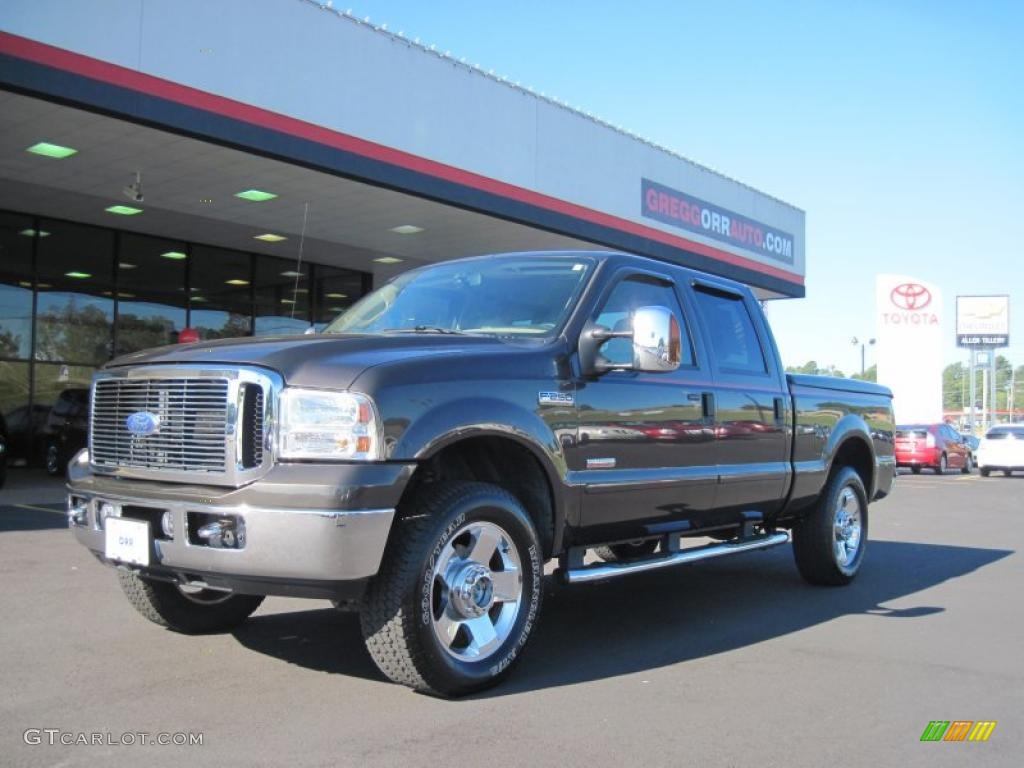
<point>811,367</point>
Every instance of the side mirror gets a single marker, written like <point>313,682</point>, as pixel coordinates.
<point>655,338</point>
<point>657,342</point>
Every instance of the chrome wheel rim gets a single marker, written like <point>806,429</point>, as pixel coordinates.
<point>476,591</point>
<point>848,527</point>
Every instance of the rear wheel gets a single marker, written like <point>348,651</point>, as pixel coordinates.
<point>985,471</point>
<point>916,470</point>
<point>829,543</point>
<point>941,469</point>
<point>1007,472</point>
<point>192,611</point>
<point>968,466</point>
<point>458,592</point>
<point>629,550</point>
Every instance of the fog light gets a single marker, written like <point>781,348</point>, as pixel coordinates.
<point>167,524</point>
<point>78,510</point>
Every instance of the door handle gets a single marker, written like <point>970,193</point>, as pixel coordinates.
<point>707,404</point>
<point>780,408</point>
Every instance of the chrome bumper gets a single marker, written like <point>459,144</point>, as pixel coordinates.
<point>300,544</point>
<point>304,524</point>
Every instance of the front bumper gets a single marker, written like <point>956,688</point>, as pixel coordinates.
<point>311,530</point>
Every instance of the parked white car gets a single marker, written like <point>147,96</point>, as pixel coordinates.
<point>1002,448</point>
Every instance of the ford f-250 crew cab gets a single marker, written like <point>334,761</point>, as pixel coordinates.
<point>425,455</point>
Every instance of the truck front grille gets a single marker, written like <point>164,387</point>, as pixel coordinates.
<point>192,424</point>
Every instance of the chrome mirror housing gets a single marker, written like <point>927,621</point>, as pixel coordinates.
<point>656,340</point>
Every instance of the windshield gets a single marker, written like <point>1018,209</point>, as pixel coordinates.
<point>517,296</point>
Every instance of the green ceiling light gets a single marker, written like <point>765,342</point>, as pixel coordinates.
<point>337,295</point>
<point>34,233</point>
<point>287,301</point>
<point>78,275</point>
<point>236,281</point>
<point>46,149</point>
<point>292,273</point>
<point>407,229</point>
<point>270,237</point>
<point>388,260</point>
<point>123,210</point>
<point>256,195</point>
<point>198,298</point>
<point>174,255</point>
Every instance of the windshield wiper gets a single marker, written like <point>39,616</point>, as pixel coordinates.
<point>424,329</point>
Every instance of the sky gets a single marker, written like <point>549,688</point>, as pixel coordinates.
<point>897,126</point>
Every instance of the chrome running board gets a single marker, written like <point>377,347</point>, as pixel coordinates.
<point>600,571</point>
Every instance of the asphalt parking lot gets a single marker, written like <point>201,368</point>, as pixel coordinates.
<point>734,662</point>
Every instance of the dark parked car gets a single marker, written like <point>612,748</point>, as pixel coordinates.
<point>67,429</point>
<point>26,443</point>
<point>937,446</point>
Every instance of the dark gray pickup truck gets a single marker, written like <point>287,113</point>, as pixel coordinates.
<point>425,456</point>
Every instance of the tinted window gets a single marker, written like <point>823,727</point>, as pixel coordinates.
<point>734,342</point>
<point>616,315</point>
<point>1005,433</point>
<point>150,292</point>
<point>919,434</point>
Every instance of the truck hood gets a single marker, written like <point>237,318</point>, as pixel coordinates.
<point>330,360</point>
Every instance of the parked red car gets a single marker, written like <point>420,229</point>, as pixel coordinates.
<point>937,446</point>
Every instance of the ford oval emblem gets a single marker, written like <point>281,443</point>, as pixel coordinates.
<point>142,423</point>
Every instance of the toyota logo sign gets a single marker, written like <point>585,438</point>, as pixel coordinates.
<point>910,296</point>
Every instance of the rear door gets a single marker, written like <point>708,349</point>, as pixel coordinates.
<point>751,402</point>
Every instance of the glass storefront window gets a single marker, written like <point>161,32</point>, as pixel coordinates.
<point>18,414</point>
<point>75,313</point>
<point>150,292</point>
<point>282,296</point>
<point>335,291</point>
<point>16,237</point>
<point>220,293</point>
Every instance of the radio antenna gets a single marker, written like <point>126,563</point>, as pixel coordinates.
<point>298,263</point>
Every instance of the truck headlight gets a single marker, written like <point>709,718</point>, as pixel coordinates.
<point>315,424</point>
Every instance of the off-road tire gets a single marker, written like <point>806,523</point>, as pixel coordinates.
<point>396,611</point>
<point>814,537</point>
<point>163,603</point>
<point>629,550</point>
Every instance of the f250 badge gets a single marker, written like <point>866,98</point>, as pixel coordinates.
<point>555,398</point>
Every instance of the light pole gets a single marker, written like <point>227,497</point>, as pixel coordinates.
<point>855,341</point>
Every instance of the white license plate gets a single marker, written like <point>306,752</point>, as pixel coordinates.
<point>127,540</point>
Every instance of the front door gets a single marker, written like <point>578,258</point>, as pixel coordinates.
<point>644,454</point>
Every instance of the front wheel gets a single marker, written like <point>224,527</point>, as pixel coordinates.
<point>941,469</point>
<point>985,471</point>
<point>458,592</point>
<point>829,543</point>
<point>191,611</point>
<point>968,466</point>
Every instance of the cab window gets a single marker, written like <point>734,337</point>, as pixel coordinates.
<point>734,341</point>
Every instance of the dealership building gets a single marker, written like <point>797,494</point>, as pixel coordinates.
<point>254,168</point>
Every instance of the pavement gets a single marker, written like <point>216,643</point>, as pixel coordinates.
<point>734,662</point>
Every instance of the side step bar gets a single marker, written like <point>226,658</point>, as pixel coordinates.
<point>589,573</point>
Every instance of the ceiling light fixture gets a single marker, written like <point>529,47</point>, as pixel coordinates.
<point>255,195</point>
<point>126,265</point>
<point>174,255</point>
<point>270,237</point>
<point>293,273</point>
<point>337,295</point>
<point>34,233</point>
<point>407,229</point>
<point>388,260</point>
<point>56,151</point>
<point>78,275</point>
<point>236,281</point>
<point>123,210</point>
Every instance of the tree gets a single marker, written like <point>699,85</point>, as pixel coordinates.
<point>811,367</point>
<point>871,374</point>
